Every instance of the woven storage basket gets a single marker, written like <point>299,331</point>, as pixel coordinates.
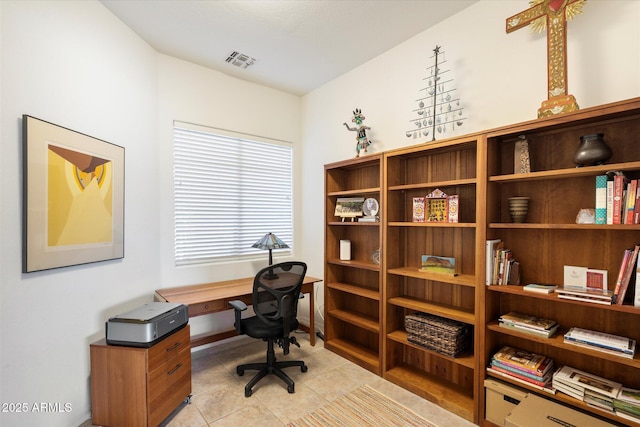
<point>436,333</point>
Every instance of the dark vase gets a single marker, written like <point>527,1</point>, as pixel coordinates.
<point>592,150</point>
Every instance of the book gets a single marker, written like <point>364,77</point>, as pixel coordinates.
<point>610,201</point>
<point>599,348</point>
<point>623,269</point>
<point>585,298</point>
<point>631,201</point>
<point>636,298</point>
<point>545,334</point>
<point>636,208</point>
<point>630,395</point>
<point>596,337</point>
<point>588,294</point>
<point>626,415</point>
<point>491,246</point>
<point>541,289</point>
<point>568,391</point>
<point>528,378</point>
<point>598,400</point>
<point>631,266</point>
<point>528,321</point>
<point>619,184</point>
<point>583,380</point>
<point>601,199</point>
<point>547,388</point>
<point>530,362</point>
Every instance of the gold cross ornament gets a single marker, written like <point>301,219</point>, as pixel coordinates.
<point>552,14</point>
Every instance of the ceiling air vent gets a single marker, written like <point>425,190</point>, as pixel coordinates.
<point>240,59</point>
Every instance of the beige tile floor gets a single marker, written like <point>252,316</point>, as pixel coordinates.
<point>218,392</point>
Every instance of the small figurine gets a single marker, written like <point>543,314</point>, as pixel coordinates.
<point>362,142</point>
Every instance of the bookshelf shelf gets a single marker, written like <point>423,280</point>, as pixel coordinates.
<point>584,227</point>
<point>557,341</point>
<point>462,280</point>
<point>400,336</point>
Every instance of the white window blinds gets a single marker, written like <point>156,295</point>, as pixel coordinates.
<point>229,191</point>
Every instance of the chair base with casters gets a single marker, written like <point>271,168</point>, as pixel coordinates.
<point>270,367</point>
<point>276,290</point>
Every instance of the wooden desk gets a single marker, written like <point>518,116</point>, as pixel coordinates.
<point>214,297</point>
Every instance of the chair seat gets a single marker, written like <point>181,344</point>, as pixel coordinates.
<point>255,328</point>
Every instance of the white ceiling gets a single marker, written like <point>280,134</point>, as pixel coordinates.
<point>298,45</point>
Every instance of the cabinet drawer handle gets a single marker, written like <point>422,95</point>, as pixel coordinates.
<point>171,372</point>
<point>173,347</point>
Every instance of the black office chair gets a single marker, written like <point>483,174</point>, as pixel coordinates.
<point>276,290</point>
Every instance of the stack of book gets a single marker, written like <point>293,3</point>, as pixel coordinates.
<point>528,324</point>
<point>523,367</point>
<point>617,199</point>
<point>627,404</point>
<point>600,341</point>
<point>501,266</point>
<point>591,389</point>
<point>597,296</point>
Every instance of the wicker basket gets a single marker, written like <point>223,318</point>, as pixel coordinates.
<point>439,334</point>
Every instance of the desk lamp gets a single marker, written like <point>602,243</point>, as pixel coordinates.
<point>270,241</point>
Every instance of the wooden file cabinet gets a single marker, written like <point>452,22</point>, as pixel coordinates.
<point>133,387</point>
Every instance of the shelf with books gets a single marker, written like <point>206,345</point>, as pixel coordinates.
<point>517,290</point>
<point>353,286</point>
<point>549,238</point>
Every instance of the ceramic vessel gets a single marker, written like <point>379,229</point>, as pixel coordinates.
<point>592,150</point>
<point>518,208</point>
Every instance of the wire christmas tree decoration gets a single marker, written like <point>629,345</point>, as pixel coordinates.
<point>439,106</point>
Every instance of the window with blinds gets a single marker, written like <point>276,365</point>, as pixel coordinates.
<point>229,191</point>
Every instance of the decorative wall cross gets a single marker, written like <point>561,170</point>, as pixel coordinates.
<point>552,14</point>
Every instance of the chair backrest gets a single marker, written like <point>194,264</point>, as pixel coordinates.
<point>276,290</point>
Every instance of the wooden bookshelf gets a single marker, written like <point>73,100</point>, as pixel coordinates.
<point>366,303</point>
<point>353,288</point>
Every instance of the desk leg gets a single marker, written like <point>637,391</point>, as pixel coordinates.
<point>312,311</point>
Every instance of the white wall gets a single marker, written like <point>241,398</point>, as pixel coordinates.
<point>195,94</point>
<point>76,65</point>
<point>501,79</point>
<point>73,63</point>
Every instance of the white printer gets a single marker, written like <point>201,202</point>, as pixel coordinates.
<point>146,325</point>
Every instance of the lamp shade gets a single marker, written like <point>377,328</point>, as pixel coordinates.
<point>270,241</point>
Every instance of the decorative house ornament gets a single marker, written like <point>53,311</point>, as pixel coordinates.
<point>552,15</point>
<point>362,141</point>
<point>438,108</point>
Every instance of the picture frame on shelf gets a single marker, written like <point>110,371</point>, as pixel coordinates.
<point>438,264</point>
<point>349,207</point>
<point>73,197</point>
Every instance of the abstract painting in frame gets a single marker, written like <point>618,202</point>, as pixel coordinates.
<point>73,197</point>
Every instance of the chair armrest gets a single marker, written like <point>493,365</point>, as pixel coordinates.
<point>238,305</point>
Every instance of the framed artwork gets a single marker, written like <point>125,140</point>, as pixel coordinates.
<point>349,207</point>
<point>73,199</point>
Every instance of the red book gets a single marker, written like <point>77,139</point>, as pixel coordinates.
<point>623,270</point>
<point>631,201</point>
<point>627,275</point>
<point>619,182</point>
